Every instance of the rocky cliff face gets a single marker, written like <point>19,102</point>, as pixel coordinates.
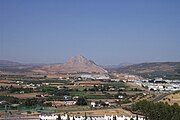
<point>75,64</point>
<point>79,61</point>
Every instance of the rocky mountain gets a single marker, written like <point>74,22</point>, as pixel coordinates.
<point>76,64</point>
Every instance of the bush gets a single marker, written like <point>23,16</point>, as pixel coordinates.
<point>81,101</point>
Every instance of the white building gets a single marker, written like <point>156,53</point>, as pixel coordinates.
<point>66,117</point>
<point>93,104</point>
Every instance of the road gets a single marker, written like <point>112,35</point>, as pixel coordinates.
<point>161,96</point>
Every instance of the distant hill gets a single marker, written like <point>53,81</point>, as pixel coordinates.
<point>8,63</point>
<point>10,66</point>
<point>168,70</point>
<point>113,67</point>
<point>76,64</point>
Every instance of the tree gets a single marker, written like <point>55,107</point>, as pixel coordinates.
<point>59,117</point>
<point>30,102</point>
<point>157,111</point>
<point>81,101</point>
<point>136,117</point>
<point>114,118</point>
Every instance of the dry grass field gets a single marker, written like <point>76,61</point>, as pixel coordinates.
<point>8,85</point>
<point>172,98</point>
<point>3,93</point>
<point>102,112</point>
<point>81,110</point>
<point>26,95</point>
<point>6,80</point>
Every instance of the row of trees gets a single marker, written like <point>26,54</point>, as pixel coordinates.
<point>157,111</point>
<point>33,102</point>
<point>13,89</point>
<point>29,102</point>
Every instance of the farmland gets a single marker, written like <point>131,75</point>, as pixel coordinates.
<point>38,95</point>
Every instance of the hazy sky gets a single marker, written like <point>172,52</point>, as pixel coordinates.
<point>106,31</point>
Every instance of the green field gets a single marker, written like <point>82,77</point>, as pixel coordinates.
<point>116,84</point>
<point>91,95</point>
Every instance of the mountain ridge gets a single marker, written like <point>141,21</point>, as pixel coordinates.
<point>8,63</point>
<point>80,64</point>
<point>166,70</point>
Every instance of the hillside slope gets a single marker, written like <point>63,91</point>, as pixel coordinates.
<point>169,70</point>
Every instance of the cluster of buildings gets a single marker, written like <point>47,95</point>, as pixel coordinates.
<point>160,84</point>
<point>63,103</point>
<point>80,76</point>
<point>66,117</point>
<point>94,77</point>
<point>109,103</point>
<point>126,77</point>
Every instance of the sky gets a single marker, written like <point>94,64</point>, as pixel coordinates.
<point>108,32</point>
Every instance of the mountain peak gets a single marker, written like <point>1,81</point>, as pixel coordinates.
<point>80,59</point>
<point>78,64</point>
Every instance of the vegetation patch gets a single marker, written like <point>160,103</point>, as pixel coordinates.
<point>157,111</point>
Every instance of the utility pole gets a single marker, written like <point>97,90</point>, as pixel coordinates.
<point>5,112</point>
<point>85,116</point>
